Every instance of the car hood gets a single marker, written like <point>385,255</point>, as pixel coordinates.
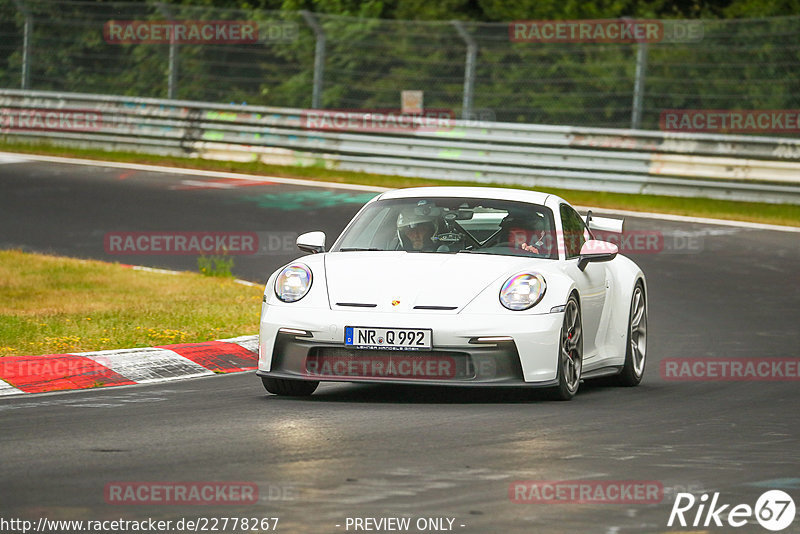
<point>445,282</point>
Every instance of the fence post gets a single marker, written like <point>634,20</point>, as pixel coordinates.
<point>319,58</point>
<point>172,73</point>
<point>638,85</point>
<point>469,69</point>
<point>26,44</point>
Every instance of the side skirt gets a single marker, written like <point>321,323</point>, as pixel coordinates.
<point>602,371</point>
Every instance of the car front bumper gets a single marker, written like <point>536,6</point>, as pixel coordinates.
<point>313,348</point>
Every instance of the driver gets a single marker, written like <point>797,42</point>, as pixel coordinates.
<point>416,230</point>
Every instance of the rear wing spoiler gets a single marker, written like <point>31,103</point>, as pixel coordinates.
<point>603,224</point>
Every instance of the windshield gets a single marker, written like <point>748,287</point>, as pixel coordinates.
<point>453,225</point>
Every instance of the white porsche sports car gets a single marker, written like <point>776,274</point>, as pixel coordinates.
<point>465,286</point>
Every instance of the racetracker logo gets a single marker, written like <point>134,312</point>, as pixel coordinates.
<point>586,491</point>
<point>49,366</point>
<point>774,510</point>
<point>79,120</point>
<point>628,242</point>
<point>730,369</point>
<point>785,121</point>
<point>180,32</point>
<point>181,493</point>
<point>586,31</point>
<point>604,31</point>
<point>383,366</point>
<point>181,243</point>
<point>380,120</point>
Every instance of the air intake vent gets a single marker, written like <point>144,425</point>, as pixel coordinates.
<point>435,308</point>
<point>356,304</point>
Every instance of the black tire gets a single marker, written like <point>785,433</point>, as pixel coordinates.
<point>636,343</point>
<point>289,388</point>
<point>570,352</point>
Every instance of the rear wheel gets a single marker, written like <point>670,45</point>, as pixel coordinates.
<point>636,351</point>
<point>570,352</point>
<point>290,388</point>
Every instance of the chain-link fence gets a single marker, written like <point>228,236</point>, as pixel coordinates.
<point>304,60</point>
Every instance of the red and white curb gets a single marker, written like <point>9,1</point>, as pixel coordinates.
<point>59,372</point>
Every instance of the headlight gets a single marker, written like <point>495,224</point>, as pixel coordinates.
<point>522,291</point>
<point>293,282</point>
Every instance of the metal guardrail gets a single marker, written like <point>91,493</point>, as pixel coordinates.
<point>631,161</point>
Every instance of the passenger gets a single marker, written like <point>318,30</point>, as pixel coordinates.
<point>526,232</point>
<point>536,243</point>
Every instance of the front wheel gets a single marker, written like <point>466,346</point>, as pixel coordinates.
<point>289,388</point>
<point>570,352</point>
<point>636,349</point>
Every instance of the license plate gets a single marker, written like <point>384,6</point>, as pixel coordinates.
<point>388,338</point>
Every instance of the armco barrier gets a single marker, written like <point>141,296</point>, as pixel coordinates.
<point>732,167</point>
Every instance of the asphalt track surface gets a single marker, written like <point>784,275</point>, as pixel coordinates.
<point>371,451</point>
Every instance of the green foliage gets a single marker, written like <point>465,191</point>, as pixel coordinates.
<point>219,265</point>
<point>375,49</point>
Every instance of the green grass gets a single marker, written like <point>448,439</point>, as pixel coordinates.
<point>215,265</point>
<point>51,305</point>
<point>783,214</point>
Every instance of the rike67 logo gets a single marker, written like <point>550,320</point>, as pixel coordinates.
<point>774,510</point>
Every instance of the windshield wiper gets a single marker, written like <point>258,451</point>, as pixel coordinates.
<point>356,249</point>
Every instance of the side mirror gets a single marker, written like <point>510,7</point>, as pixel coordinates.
<point>311,242</point>
<point>595,250</point>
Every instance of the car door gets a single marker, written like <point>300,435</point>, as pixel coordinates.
<point>592,282</point>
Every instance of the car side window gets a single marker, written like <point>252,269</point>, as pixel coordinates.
<point>574,231</point>
<point>376,231</point>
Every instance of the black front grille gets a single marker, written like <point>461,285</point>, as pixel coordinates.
<point>401,364</point>
<point>295,357</point>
